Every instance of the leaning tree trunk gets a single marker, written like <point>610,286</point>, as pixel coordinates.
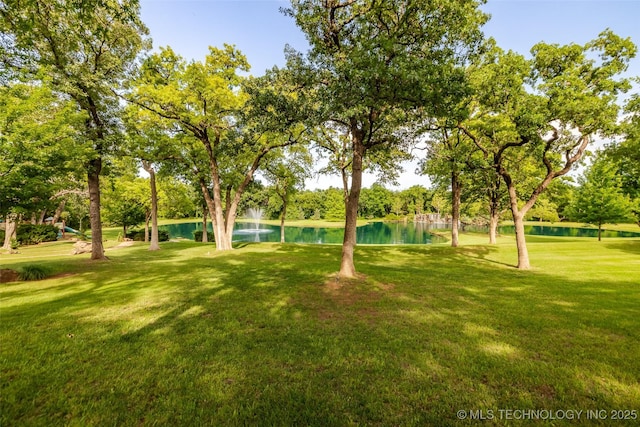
<point>456,191</point>
<point>493,227</point>
<point>347,267</point>
<point>59,210</point>
<point>223,239</point>
<point>41,218</point>
<point>521,243</point>
<point>518,222</point>
<point>211,209</point>
<point>154,245</point>
<point>93,179</point>
<point>10,231</point>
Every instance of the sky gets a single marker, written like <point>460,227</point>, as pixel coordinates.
<point>261,31</point>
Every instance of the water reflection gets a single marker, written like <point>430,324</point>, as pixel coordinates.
<point>376,233</point>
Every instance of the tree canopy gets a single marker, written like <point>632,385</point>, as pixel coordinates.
<point>86,51</point>
<point>599,198</point>
<point>372,63</point>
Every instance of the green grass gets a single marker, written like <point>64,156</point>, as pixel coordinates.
<point>266,335</point>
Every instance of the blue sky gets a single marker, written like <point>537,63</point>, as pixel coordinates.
<point>260,31</point>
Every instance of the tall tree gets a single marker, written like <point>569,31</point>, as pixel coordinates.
<point>542,114</point>
<point>626,154</point>
<point>149,141</point>
<point>287,171</point>
<point>86,49</point>
<point>450,158</point>
<point>371,61</point>
<point>233,120</point>
<point>600,199</point>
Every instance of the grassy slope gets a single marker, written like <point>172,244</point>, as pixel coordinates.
<point>265,335</point>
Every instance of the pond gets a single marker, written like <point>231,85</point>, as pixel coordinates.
<point>552,230</point>
<point>375,233</point>
<point>549,230</point>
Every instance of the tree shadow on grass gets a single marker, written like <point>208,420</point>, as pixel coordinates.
<point>628,245</point>
<point>254,336</point>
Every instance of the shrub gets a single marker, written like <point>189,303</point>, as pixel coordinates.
<point>138,235</point>
<point>33,272</point>
<point>30,234</point>
<point>197,236</point>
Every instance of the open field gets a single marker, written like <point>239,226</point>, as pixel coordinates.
<point>265,335</point>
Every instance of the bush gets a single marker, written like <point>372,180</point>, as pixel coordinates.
<point>138,235</point>
<point>33,272</point>
<point>30,234</point>
<point>1,236</point>
<point>197,236</point>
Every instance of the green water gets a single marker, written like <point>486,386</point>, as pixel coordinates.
<point>375,233</point>
<point>551,230</point>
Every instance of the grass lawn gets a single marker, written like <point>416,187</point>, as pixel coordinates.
<point>265,335</point>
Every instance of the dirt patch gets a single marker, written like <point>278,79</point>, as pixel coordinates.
<point>7,275</point>
<point>348,298</point>
<point>349,291</point>
<point>545,391</point>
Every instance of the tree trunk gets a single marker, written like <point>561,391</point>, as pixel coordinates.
<point>211,209</point>
<point>347,267</point>
<point>518,222</point>
<point>43,215</point>
<point>456,191</point>
<point>124,231</point>
<point>10,231</point>
<point>223,239</point>
<point>59,210</point>
<point>93,179</point>
<point>523,253</point>
<point>493,227</point>
<point>205,237</point>
<point>227,199</point>
<point>232,208</point>
<point>155,241</point>
<point>599,232</point>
